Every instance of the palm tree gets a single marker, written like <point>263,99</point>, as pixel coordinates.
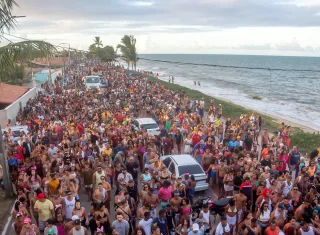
<point>97,42</point>
<point>14,55</point>
<point>128,50</point>
<point>7,20</point>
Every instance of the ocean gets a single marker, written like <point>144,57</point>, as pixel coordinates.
<point>289,95</point>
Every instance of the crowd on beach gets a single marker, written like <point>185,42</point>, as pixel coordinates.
<point>82,140</point>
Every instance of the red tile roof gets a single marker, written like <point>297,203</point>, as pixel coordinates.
<point>10,93</point>
<point>54,61</point>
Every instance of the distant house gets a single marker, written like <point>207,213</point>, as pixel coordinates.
<point>12,99</point>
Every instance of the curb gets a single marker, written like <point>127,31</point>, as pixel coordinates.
<point>5,229</point>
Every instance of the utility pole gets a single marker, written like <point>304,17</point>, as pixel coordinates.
<point>5,167</point>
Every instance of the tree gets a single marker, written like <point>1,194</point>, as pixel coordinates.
<point>97,42</point>
<point>105,54</point>
<point>128,50</point>
<point>14,55</point>
<point>7,20</point>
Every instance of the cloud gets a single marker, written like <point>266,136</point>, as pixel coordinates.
<point>186,25</point>
<point>293,46</point>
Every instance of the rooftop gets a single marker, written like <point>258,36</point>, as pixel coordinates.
<point>10,93</point>
<point>184,159</point>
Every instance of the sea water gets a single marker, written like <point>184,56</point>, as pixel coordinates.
<point>290,95</point>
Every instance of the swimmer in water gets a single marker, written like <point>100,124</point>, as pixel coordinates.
<point>198,83</point>
<point>195,83</point>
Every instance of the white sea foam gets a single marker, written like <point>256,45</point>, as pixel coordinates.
<point>282,109</point>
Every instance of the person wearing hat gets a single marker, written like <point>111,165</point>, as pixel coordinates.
<point>195,230</point>
<point>223,227</point>
<point>45,209</point>
<point>175,202</point>
<point>29,228</point>
<point>78,229</point>
<point>69,204</point>
<point>50,229</point>
<point>71,224</point>
<point>199,221</point>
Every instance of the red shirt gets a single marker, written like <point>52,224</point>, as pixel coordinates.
<point>195,139</point>
<point>119,118</point>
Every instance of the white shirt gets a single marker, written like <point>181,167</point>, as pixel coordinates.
<point>220,230</point>
<point>125,178</point>
<point>146,225</point>
<point>53,150</point>
<point>206,218</point>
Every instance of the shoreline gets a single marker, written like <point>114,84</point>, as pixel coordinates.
<point>306,138</point>
<point>277,118</point>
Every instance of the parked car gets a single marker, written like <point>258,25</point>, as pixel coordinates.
<point>16,131</point>
<point>147,123</point>
<point>184,163</point>
<point>92,82</point>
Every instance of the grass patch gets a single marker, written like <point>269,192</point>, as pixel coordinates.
<point>306,142</point>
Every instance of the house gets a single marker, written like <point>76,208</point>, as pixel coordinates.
<point>12,99</point>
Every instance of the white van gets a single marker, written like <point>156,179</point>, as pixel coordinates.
<point>147,123</point>
<point>92,82</point>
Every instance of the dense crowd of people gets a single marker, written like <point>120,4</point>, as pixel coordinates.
<point>82,141</point>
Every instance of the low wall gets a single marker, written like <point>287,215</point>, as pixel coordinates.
<point>12,110</point>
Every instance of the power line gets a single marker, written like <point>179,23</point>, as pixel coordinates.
<point>26,39</point>
<point>231,66</point>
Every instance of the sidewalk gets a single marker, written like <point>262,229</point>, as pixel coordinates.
<point>6,204</point>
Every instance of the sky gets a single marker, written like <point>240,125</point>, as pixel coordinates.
<point>263,27</point>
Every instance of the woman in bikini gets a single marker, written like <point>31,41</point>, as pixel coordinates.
<point>231,214</point>
<point>81,213</point>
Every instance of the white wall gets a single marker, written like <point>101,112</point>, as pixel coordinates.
<point>12,110</point>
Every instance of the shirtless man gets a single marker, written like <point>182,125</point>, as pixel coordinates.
<point>265,139</point>
<point>298,214</point>
<point>175,202</point>
<point>58,202</point>
<point>124,209</point>
<point>153,200</point>
<point>241,201</point>
<point>254,228</point>
<point>220,175</point>
<point>140,214</point>
<point>99,194</point>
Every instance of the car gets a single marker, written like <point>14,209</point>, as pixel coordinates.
<point>16,130</point>
<point>147,123</point>
<point>92,82</point>
<point>185,164</point>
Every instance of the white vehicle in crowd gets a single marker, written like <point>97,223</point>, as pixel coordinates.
<point>186,164</point>
<point>92,82</point>
<point>16,131</point>
<point>146,123</point>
